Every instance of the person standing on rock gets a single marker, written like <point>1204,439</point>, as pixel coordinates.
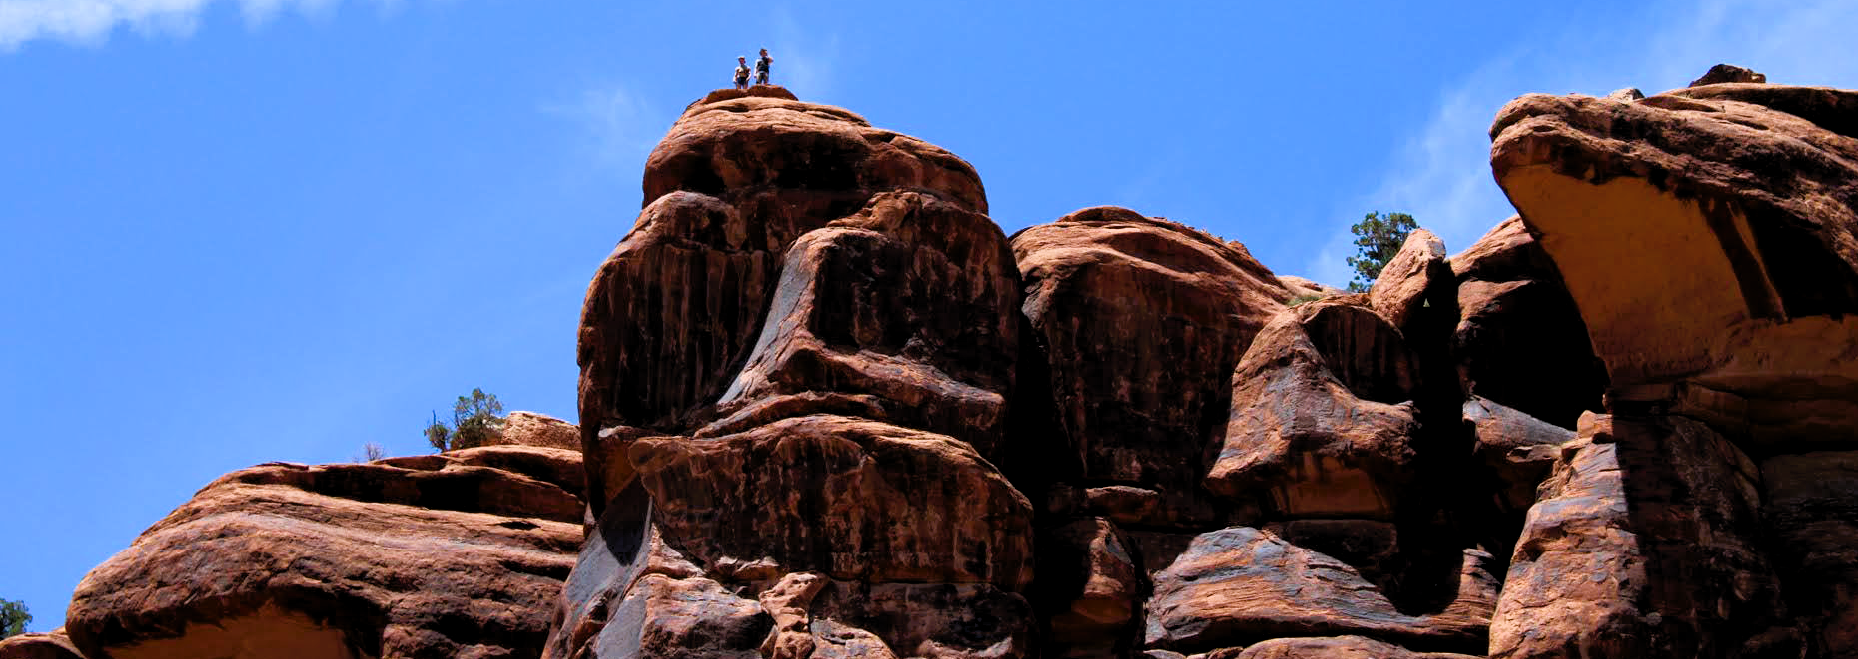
<point>761,67</point>
<point>741,73</point>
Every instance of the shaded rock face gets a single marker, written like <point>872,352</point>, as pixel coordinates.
<point>1142,321</point>
<point>1518,340</point>
<point>796,372</point>
<point>453,555</point>
<point>1722,73</point>
<point>1241,585</point>
<point>54,645</point>
<point>1322,420</point>
<point>1645,543</point>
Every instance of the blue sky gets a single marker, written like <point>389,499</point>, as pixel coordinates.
<point>240,231</point>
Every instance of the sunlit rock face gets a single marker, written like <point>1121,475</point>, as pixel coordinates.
<point>795,387</point>
<point>1709,238</point>
<point>458,555</point>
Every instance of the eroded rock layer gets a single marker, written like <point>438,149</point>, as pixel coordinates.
<point>452,555</point>
<point>796,376</point>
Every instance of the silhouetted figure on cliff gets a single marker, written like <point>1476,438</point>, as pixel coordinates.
<point>741,73</point>
<point>761,67</point>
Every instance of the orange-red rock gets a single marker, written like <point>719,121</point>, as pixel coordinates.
<point>1517,450</point>
<point>54,645</point>
<point>1142,320</point>
<point>848,497</point>
<point>532,429</point>
<point>1710,243</point>
<point>676,308</point>
<point>1242,585</point>
<point>907,307</point>
<point>454,555</point>
<point>1335,647</point>
<point>1416,279</point>
<point>1643,544</point>
<point>1322,420</point>
<point>797,368</point>
<point>1300,287</point>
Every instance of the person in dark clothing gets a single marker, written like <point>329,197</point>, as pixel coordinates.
<point>741,73</point>
<point>761,67</point>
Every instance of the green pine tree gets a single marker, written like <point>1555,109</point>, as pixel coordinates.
<point>1379,238</point>
<point>13,618</point>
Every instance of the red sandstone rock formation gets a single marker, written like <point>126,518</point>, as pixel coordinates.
<point>452,555</point>
<point>831,411</point>
<point>795,379</point>
<point>54,645</point>
<point>1709,238</point>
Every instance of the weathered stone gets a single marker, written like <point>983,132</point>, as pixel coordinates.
<point>532,429</point>
<point>930,620</point>
<point>910,304</point>
<point>54,645</point>
<point>848,497</point>
<point>1319,416</point>
<point>1642,544</point>
<point>1143,320</point>
<point>1812,508</point>
<point>661,616</point>
<point>455,555</point>
<point>1416,275</point>
<point>786,603</point>
<point>1336,647</point>
<point>677,307</point>
<point>1300,287</point>
<point>1092,588</point>
<point>1516,449</point>
<point>621,548</point>
<point>1722,73</point>
<point>1710,243</point>
<point>1241,585</point>
<point>1519,340</point>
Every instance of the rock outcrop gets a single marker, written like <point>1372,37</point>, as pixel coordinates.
<point>796,371</point>
<point>1518,339</point>
<point>53,645</point>
<point>1709,238</point>
<point>452,555</point>
<point>830,410</point>
<point>541,430</point>
<point>1709,243</point>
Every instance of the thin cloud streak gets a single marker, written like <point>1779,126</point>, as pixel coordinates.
<point>802,61</point>
<point>623,125</point>
<point>1442,175</point>
<point>92,22</point>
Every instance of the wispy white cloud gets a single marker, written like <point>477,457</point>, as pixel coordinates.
<point>802,60</point>
<point>624,127</point>
<point>94,21</point>
<point>1441,175</point>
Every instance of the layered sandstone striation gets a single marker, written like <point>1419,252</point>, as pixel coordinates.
<point>452,555</point>
<point>796,375</point>
<point>830,410</point>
